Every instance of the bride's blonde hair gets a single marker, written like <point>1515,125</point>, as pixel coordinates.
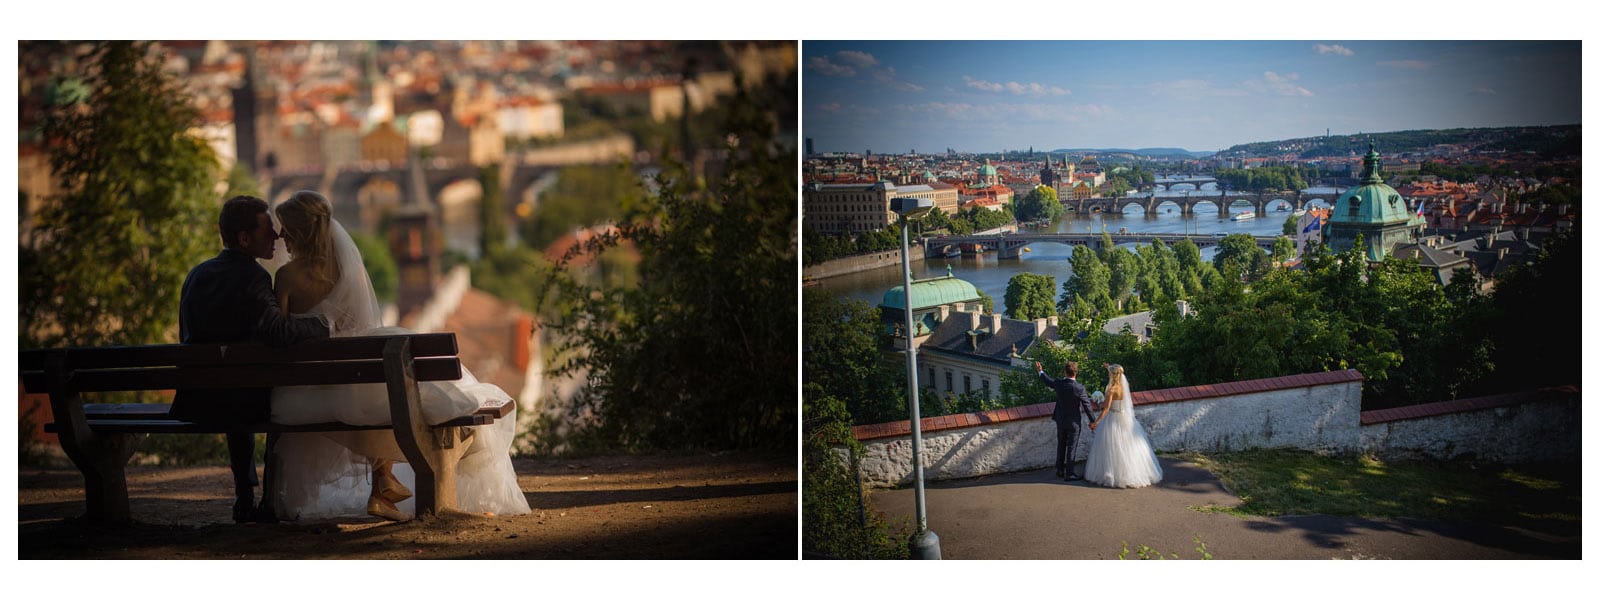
<point>305,217</point>
<point>1114,383</point>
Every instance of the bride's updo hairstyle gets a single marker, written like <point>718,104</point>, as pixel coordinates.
<point>1114,383</point>
<point>305,217</point>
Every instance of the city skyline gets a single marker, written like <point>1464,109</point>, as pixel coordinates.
<point>894,97</point>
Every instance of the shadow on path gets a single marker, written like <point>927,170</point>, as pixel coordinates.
<point>555,500</point>
<point>1034,515</point>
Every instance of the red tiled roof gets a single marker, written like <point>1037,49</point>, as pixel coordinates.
<point>488,333</point>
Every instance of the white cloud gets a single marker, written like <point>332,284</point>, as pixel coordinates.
<point>1282,85</point>
<point>1487,91</point>
<point>886,77</point>
<point>847,63</point>
<point>1415,65</point>
<point>948,110</point>
<point>1334,49</point>
<point>820,65</point>
<point>986,86</point>
<point>842,64</point>
<point>1033,88</point>
<point>856,58</point>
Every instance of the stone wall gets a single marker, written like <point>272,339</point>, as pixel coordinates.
<point>856,264</point>
<point>999,446</point>
<point>1541,425</point>
<point>1319,412</point>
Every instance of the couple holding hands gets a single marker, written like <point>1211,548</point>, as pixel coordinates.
<point>1120,455</point>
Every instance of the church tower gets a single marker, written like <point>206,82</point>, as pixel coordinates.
<point>987,175</point>
<point>1047,175</point>
<point>246,144</point>
<point>1374,211</point>
<point>416,243</point>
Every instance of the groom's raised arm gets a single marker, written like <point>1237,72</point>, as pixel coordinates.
<point>275,327</point>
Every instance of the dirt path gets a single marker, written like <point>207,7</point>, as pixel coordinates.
<point>702,506</point>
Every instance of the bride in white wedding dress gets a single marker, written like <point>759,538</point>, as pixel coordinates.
<point>1120,455</point>
<point>343,474</point>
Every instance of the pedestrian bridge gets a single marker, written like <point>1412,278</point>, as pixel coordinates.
<point>1010,245</point>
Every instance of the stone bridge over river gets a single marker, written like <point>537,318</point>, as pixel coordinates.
<point>1151,202</point>
<point>1010,244</point>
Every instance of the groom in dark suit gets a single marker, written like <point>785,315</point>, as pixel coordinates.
<point>1072,402</point>
<point>229,299</point>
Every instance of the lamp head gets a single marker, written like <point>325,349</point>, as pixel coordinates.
<point>911,208</point>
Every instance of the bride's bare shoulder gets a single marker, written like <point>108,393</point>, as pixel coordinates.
<point>288,272</point>
<point>290,277</point>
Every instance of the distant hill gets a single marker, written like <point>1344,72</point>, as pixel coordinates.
<point>1153,152</point>
<point>1547,142</point>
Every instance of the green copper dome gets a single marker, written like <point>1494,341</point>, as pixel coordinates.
<point>986,170</point>
<point>1374,211</point>
<point>930,292</point>
<point>1373,202</point>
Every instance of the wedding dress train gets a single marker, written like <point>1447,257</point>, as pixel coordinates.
<point>328,475</point>
<point>1120,455</point>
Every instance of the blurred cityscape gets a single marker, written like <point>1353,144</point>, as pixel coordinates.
<point>294,112</point>
<point>412,141</point>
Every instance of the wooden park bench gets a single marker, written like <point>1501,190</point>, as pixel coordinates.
<point>100,438</point>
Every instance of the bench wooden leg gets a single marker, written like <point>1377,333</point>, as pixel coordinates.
<point>102,459</point>
<point>445,451</point>
<point>432,453</point>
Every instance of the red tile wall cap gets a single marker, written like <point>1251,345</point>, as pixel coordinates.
<point>1434,409</point>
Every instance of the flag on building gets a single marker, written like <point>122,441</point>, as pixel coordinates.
<point>1311,222</point>
<point>1310,226</point>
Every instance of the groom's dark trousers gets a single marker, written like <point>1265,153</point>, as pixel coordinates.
<point>1072,402</point>
<point>229,299</point>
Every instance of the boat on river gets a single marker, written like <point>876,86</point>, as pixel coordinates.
<point>1244,216</point>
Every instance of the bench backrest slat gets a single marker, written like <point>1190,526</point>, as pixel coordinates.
<point>171,426</point>
<point>242,376</point>
<point>185,355</point>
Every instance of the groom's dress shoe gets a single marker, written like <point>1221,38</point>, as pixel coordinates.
<point>1073,477</point>
<point>243,511</point>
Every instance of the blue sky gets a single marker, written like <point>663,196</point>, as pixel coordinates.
<point>897,96</point>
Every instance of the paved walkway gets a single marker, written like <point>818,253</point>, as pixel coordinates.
<point>1033,515</point>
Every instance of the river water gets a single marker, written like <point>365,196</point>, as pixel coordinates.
<point>990,274</point>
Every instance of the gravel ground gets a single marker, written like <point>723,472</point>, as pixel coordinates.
<point>706,506</point>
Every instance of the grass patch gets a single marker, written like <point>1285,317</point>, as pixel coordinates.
<point>1273,483</point>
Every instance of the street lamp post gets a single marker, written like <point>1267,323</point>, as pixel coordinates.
<point>924,544</point>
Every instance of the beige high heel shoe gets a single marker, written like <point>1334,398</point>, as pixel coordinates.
<point>378,507</point>
<point>385,485</point>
